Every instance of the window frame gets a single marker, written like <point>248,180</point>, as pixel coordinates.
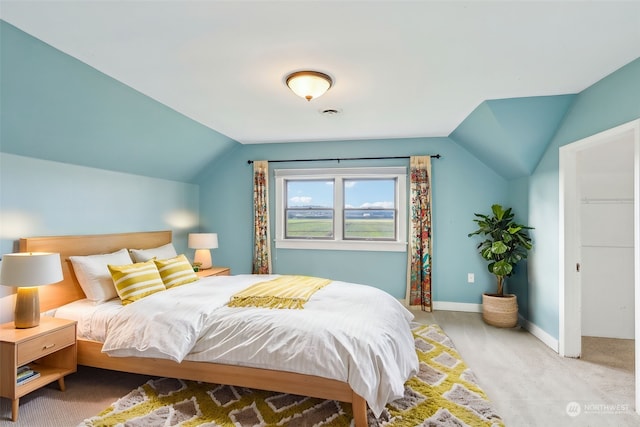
<point>398,173</point>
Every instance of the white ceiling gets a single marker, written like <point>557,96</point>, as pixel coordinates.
<point>401,69</point>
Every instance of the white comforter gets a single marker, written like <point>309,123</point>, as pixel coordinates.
<point>348,332</point>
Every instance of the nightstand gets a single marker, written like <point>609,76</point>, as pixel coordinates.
<point>49,348</point>
<point>214,271</point>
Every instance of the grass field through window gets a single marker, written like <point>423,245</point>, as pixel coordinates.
<point>313,227</point>
<point>354,228</point>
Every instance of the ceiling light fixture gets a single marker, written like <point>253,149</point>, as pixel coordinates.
<point>309,84</point>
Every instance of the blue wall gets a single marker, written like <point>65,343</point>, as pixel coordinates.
<point>55,107</point>
<point>59,116</point>
<point>610,102</point>
<point>510,135</point>
<point>518,196</point>
<point>44,198</point>
<point>41,197</point>
<point>462,185</point>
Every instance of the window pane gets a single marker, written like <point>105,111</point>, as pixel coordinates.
<point>370,224</point>
<point>370,212</point>
<point>309,223</point>
<point>309,213</point>
<point>310,194</point>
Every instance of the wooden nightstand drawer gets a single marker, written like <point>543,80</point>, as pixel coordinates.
<point>43,345</point>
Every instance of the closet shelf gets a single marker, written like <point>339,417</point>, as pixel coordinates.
<point>587,201</point>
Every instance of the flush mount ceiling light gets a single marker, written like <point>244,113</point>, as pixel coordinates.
<point>309,84</point>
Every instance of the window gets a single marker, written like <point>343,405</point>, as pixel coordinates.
<point>346,209</point>
<point>369,209</point>
<point>309,209</point>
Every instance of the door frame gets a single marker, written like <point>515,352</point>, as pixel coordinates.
<point>570,297</point>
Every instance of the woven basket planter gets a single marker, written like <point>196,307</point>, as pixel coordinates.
<point>500,311</point>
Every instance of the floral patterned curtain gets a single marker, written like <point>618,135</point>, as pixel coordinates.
<point>419,258</point>
<point>262,239</point>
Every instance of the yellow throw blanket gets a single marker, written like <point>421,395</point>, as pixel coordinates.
<point>281,292</point>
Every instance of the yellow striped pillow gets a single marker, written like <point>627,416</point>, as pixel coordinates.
<point>136,281</point>
<point>176,271</point>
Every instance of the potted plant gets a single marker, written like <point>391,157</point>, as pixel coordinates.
<point>506,243</point>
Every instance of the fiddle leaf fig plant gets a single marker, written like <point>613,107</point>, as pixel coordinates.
<point>506,242</point>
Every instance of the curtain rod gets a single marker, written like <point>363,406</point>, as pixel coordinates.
<point>437,156</point>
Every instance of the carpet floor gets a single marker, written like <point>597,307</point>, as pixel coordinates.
<point>444,393</point>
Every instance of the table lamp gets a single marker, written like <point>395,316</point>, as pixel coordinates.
<point>27,271</point>
<point>203,243</point>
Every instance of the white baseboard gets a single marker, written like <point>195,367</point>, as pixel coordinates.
<point>539,333</point>
<point>451,306</point>
<point>457,306</point>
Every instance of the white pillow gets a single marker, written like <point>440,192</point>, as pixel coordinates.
<point>161,252</point>
<point>94,275</point>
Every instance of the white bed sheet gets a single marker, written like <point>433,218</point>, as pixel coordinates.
<point>318,340</point>
<point>92,318</point>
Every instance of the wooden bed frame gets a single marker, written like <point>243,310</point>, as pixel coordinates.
<point>89,352</point>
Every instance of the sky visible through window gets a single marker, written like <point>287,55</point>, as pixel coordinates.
<point>373,193</point>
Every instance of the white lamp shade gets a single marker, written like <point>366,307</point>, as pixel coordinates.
<point>203,240</point>
<point>30,269</point>
<point>26,271</point>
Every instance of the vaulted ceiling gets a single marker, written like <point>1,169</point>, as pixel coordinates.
<point>401,68</point>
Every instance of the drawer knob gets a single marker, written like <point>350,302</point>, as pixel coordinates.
<point>48,346</point>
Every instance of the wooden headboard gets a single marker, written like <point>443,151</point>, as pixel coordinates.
<point>69,289</point>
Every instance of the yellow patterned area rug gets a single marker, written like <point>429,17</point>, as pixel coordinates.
<point>444,393</point>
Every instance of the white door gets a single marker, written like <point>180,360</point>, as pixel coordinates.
<point>575,190</point>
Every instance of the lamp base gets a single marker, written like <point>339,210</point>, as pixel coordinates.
<point>27,312</point>
<point>203,256</point>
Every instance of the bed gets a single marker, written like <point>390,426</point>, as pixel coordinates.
<point>90,352</point>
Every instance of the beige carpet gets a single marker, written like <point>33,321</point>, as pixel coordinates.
<point>612,352</point>
<point>444,393</point>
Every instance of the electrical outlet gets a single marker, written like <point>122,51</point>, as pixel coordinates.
<point>471,277</point>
